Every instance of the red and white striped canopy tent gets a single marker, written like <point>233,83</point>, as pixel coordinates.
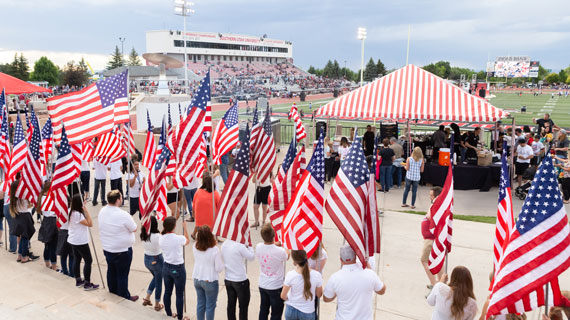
<point>412,93</point>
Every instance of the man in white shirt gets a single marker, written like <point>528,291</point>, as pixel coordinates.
<point>237,283</point>
<point>85,176</point>
<point>523,155</point>
<point>100,181</point>
<point>117,233</point>
<point>135,182</point>
<point>354,287</point>
<point>116,175</point>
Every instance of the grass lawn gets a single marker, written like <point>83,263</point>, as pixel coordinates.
<point>482,219</point>
<point>559,107</point>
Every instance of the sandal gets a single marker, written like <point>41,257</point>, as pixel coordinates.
<point>25,261</point>
<point>405,206</point>
<point>158,307</point>
<point>146,302</point>
<point>413,207</point>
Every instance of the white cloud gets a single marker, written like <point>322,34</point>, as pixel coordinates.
<point>60,58</point>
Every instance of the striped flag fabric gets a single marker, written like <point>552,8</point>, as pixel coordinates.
<point>255,129</point>
<point>300,132</point>
<point>441,224</point>
<point>63,175</point>
<point>283,186</point>
<point>150,190</point>
<point>226,134</point>
<point>31,181</point>
<point>371,222</point>
<point>303,218</point>
<point>128,138</point>
<point>77,154</point>
<point>149,155</point>
<point>264,151</point>
<point>4,141</point>
<point>19,151</point>
<point>87,151</point>
<point>537,252</point>
<point>109,148</point>
<point>231,220</point>
<point>302,159</point>
<point>93,111</point>
<point>29,127</point>
<point>347,203</point>
<point>162,203</point>
<point>46,147</point>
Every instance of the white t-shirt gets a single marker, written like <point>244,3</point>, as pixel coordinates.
<point>524,152</point>
<point>440,298</point>
<point>116,172</point>
<point>354,288</point>
<point>100,170</point>
<point>234,255</point>
<point>295,297</point>
<point>116,229</point>
<point>85,166</point>
<point>314,263</point>
<point>78,234</point>
<point>135,191</point>
<point>327,150</point>
<point>272,270</point>
<point>207,264</point>
<point>194,184</point>
<point>172,245</point>
<point>537,146</point>
<point>343,152</point>
<point>152,247</point>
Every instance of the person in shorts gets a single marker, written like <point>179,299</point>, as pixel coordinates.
<point>428,238</point>
<point>262,190</point>
<point>523,155</point>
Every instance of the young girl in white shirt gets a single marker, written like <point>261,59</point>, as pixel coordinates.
<point>48,233</point>
<point>300,288</point>
<point>207,264</point>
<point>154,262</point>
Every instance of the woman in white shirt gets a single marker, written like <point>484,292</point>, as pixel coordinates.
<point>136,180</point>
<point>173,270</point>
<point>456,300</point>
<point>153,261</point>
<point>48,233</point>
<point>79,223</point>
<point>343,148</point>
<point>300,288</point>
<point>207,264</point>
<point>318,259</point>
<point>22,223</point>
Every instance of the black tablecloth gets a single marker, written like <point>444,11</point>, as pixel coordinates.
<point>465,177</point>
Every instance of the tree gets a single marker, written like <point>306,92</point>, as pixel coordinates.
<point>312,70</point>
<point>328,70</point>
<point>371,71</point>
<point>552,78</point>
<point>336,70</point>
<point>441,69</point>
<point>19,67</point>
<point>116,59</point>
<point>380,68</point>
<point>562,76</point>
<point>542,72</point>
<point>134,59</point>
<point>75,75</point>
<point>45,70</point>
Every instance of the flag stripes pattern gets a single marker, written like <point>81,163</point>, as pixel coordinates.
<point>92,111</point>
<point>87,151</point>
<point>46,147</point>
<point>505,224</point>
<point>226,135</point>
<point>64,174</point>
<point>128,138</point>
<point>372,229</point>
<point>31,181</point>
<point>4,140</point>
<point>231,220</point>
<point>109,148</point>
<point>149,155</point>
<point>19,152</point>
<point>300,132</point>
<point>264,151</point>
<point>442,224</point>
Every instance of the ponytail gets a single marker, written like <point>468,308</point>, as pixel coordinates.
<point>300,258</point>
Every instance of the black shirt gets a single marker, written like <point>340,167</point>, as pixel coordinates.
<point>386,154</point>
<point>368,139</point>
<point>472,139</point>
<point>541,122</point>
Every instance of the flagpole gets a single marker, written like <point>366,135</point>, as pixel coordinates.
<point>546,299</point>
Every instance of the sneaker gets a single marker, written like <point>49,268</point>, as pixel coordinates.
<point>79,283</point>
<point>134,298</point>
<point>90,286</point>
<point>12,252</point>
<point>33,258</point>
<point>104,203</point>
<point>94,203</point>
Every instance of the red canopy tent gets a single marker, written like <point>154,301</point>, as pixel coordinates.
<point>412,93</point>
<point>16,86</point>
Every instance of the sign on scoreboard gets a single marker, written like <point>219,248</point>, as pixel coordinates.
<point>534,66</point>
<point>512,66</point>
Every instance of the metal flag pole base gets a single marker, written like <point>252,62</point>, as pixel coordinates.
<point>5,233</point>
<point>184,247</point>
<point>546,299</point>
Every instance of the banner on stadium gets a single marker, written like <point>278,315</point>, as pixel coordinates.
<point>512,66</point>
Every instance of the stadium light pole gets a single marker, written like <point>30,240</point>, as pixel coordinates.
<point>122,40</point>
<point>182,8</point>
<point>362,37</point>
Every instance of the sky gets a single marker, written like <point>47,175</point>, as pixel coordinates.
<point>464,33</point>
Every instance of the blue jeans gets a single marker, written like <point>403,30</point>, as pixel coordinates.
<point>118,267</point>
<point>398,171</point>
<point>174,275</point>
<point>154,265</point>
<point>414,185</point>
<point>24,247</point>
<point>386,177</point>
<point>189,195</point>
<point>207,292</point>
<point>13,240</point>
<point>49,252</point>
<point>224,172</point>
<point>294,314</point>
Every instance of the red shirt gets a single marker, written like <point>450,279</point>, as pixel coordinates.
<point>425,230</point>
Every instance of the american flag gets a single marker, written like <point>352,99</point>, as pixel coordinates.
<point>29,128</point>
<point>63,175</point>
<point>441,224</point>
<point>347,203</point>
<point>505,224</point>
<point>87,151</point>
<point>77,154</point>
<point>128,139</point>
<point>303,218</point>
<point>31,181</point>
<point>372,229</point>
<point>255,129</point>
<point>537,252</point>
<point>264,151</point>
<point>188,137</point>
<point>3,98</point>
<point>92,111</point>
<point>161,205</point>
<point>151,188</point>
<point>19,151</point>
<point>46,147</point>
<point>149,147</point>
<point>226,135</point>
<point>4,141</point>
<point>109,148</point>
<point>283,186</point>
<point>300,132</point>
<point>231,219</point>
<point>302,159</point>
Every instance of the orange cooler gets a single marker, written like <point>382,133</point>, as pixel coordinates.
<point>444,157</point>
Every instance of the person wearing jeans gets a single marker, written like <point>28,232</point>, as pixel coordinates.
<point>100,181</point>
<point>207,264</point>
<point>414,168</point>
<point>116,176</point>
<point>224,166</point>
<point>12,239</point>
<point>271,260</point>
<point>117,233</point>
<point>154,262</point>
<point>173,269</point>
<point>387,155</point>
<point>235,256</point>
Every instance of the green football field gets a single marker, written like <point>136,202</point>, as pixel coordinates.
<point>558,107</point>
